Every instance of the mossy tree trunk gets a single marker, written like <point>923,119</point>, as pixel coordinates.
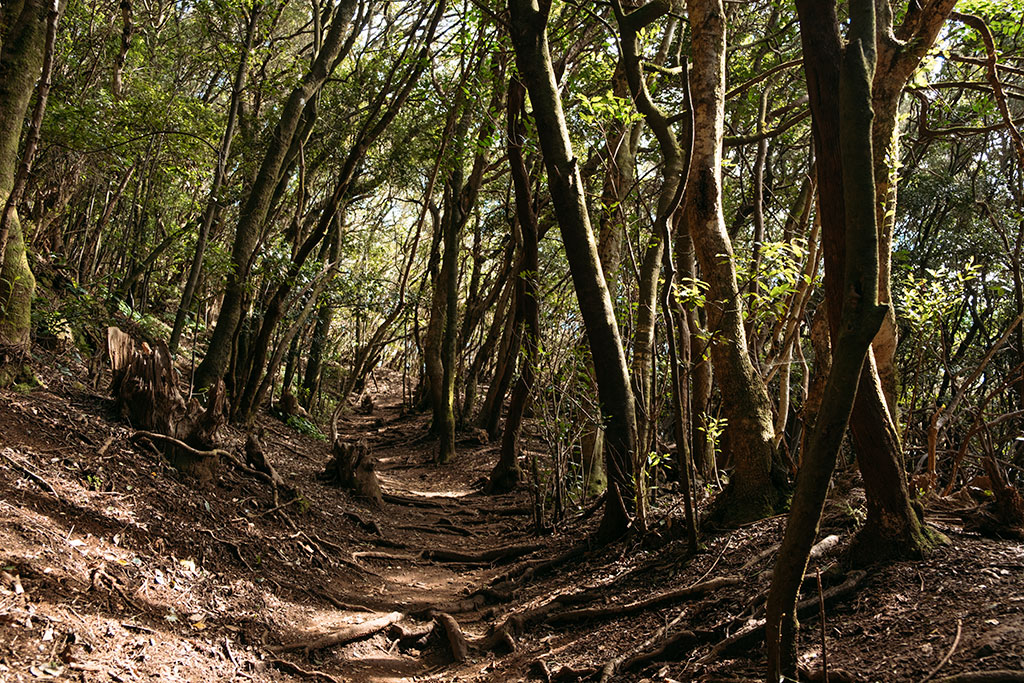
<point>22,47</point>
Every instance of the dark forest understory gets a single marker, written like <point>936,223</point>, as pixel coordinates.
<point>512,340</point>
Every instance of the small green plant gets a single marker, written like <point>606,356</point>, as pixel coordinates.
<point>304,425</point>
<point>655,460</point>
<point>713,428</point>
<point>94,482</point>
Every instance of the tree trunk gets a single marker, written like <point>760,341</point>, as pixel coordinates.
<point>213,205</point>
<point>257,204</point>
<point>749,429</point>
<point>22,48</point>
<point>892,528</point>
<point>529,38</point>
<point>861,314</point>
<point>444,391</point>
<point>669,197</point>
<point>506,474</point>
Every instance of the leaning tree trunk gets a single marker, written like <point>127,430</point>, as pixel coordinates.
<point>892,528</point>
<point>257,204</point>
<point>382,112</point>
<point>749,428</point>
<point>528,30</point>
<point>621,146</point>
<point>861,314</point>
<point>213,202</point>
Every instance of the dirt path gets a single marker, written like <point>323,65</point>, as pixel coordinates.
<point>114,567</point>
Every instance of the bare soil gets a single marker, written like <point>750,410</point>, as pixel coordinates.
<point>115,567</point>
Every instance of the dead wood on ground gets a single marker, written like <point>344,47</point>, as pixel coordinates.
<point>343,635</point>
<point>456,638</point>
<point>352,467</point>
<point>144,385</point>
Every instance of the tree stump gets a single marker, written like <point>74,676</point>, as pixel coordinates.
<point>288,405</point>
<point>145,388</point>
<point>352,467</point>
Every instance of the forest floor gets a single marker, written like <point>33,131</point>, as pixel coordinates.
<point>115,567</point>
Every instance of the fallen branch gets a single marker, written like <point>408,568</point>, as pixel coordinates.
<point>43,484</point>
<point>341,636</point>
<point>952,649</point>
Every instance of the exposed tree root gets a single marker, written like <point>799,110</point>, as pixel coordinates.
<point>752,634</point>
<point>660,600</point>
<point>412,501</point>
<point>437,529</point>
<point>411,637</point>
<point>662,647</point>
<point>564,673</point>
<point>484,556</point>
<point>510,582</point>
<point>456,639</point>
<point>517,624</point>
<point>370,526</point>
<point>289,667</point>
<point>447,524</point>
<point>471,604</point>
<point>387,557</point>
<point>347,606</point>
<point>216,452</point>
<point>1002,676</point>
<point>341,636</point>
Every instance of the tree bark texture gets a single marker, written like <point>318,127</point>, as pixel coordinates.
<point>507,473</point>
<point>892,528</point>
<point>745,404</point>
<point>861,315</point>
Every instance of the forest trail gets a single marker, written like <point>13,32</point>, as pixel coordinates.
<point>117,568</point>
